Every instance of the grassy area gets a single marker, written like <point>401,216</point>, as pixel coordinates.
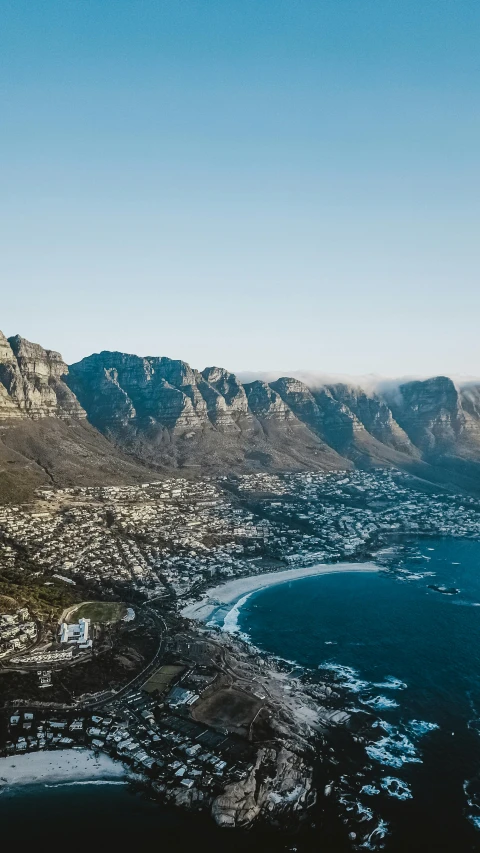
<point>99,611</point>
<point>26,590</point>
<point>162,678</point>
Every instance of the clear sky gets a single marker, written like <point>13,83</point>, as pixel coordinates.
<point>260,184</point>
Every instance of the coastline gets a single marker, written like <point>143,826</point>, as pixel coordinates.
<point>227,594</point>
<point>74,766</point>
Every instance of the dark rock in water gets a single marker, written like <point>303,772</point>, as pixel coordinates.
<point>445,590</point>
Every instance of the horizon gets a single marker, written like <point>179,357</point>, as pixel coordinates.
<point>248,184</point>
<point>375,383</point>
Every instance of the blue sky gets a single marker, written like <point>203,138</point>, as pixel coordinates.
<point>261,184</point>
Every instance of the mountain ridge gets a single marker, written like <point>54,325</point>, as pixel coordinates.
<point>156,413</point>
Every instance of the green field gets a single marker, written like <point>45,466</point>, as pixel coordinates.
<point>99,611</point>
<point>161,679</point>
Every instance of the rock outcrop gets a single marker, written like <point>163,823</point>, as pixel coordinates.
<point>431,414</point>
<point>279,782</point>
<point>164,411</point>
<point>210,418</point>
<point>375,416</point>
<point>264,402</point>
<point>31,383</point>
<point>168,415</point>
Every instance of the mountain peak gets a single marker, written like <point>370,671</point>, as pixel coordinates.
<point>168,414</point>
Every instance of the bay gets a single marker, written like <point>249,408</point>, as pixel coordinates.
<point>405,644</point>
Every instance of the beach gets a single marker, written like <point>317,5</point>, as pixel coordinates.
<point>228,593</point>
<point>59,766</point>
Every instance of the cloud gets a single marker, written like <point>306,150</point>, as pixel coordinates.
<point>386,386</point>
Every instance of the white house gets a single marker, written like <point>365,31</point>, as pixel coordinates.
<point>78,633</point>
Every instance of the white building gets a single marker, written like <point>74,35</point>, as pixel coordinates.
<point>78,633</point>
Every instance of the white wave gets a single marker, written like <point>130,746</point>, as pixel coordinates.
<point>393,750</point>
<point>421,727</point>
<point>372,841</point>
<point>230,622</point>
<point>285,660</point>
<point>418,576</point>
<point>472,803</point>
<point>363,812</point>
<point>379,753</point>
<point>380,702</point>
<point>396,788</point>
<point>348,676</point>
<point>87,782</point>
<point>371,790</point>
<point>391,683</point>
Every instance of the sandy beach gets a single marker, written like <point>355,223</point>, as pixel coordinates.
<point>227,594</point>
<point>59,766</point>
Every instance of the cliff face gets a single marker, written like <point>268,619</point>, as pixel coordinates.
<point>162,409</point>
<point>431,414</point>
<point>333,425</point>
<point>170,394</point>
<point>31,383</point>
<point>375,415</point>
<point>168,415</point>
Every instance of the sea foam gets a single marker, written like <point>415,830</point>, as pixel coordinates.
<point>421,727</point>
<point>230,622</point>
<point>348,676</point>
<point>394,749</point>
<point>381,703</point>
<point>391,683</point>
<point>396,788</point>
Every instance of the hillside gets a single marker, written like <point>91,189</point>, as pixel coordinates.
<point>115,417</point>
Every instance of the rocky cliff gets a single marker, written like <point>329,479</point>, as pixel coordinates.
<point>159,407</point>
<point>31,383</point>
<point>374,414</point>
<point>431,413</point>
<point>165,414</point>
<point>164,411</point>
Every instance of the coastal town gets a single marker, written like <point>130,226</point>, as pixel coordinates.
<point>166,540</point>
<point>98,590</point>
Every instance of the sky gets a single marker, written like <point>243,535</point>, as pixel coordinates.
<point>265,185</point>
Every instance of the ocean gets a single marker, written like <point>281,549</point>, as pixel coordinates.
<point>114,814</point>
<point>405,645</point>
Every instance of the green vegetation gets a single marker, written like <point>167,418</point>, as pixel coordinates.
<point>98,611</point>
<point>44,602</point>
<point>8,604</point>
<point>162,678</point>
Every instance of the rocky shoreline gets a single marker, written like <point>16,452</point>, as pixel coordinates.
<point>302,712</point>
<point>285,718</point>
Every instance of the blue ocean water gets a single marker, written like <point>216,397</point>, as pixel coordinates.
<point>406,645</point>
<point>406,652</point>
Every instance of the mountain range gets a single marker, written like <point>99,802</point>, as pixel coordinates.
<point>115,417</point>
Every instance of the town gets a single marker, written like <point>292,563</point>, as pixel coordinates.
<point>167,539</point>
<point>94,650</point>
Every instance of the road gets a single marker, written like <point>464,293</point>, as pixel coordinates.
<point>141,676</point>
<point>110,696</point>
